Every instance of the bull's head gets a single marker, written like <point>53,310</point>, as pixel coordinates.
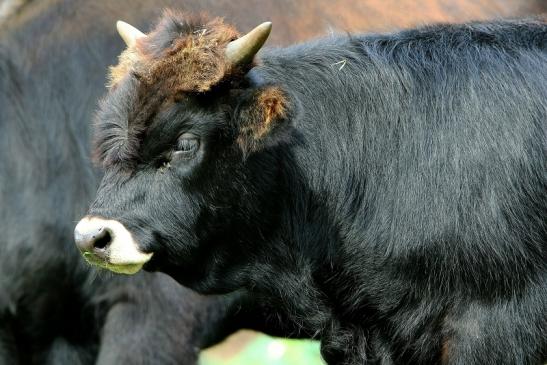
<point>189,140</point>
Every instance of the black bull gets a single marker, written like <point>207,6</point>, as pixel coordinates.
<point>387,192</point>
<point>51,72</point>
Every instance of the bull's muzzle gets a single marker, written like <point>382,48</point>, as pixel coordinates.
<point>108,244</point>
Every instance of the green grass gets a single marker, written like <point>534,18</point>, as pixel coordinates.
<point>266,350</point>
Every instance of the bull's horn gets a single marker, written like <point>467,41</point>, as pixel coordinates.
<point>129,33</point>
<point>243,49</point>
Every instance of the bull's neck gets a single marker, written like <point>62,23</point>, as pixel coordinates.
<point>322,177</point>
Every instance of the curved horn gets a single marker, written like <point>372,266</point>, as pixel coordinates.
<point>243,49</point>
<point>129,33</point>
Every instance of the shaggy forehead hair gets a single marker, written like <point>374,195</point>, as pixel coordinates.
<point>182,55</point>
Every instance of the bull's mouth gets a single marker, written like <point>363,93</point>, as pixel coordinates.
<point>127,268</point>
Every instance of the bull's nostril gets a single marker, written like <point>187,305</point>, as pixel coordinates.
<point>92,236</point>
<point>102,239</point>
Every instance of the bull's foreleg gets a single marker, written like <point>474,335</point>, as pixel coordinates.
<point>135,334</point>
<point>163,323</point>
<point>506,331</point>
<point>8,350</point>
<point>63,352</point>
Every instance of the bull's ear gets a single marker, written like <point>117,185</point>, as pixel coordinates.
<point>263,118</point>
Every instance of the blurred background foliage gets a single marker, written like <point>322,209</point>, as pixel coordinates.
<point>247,347</point>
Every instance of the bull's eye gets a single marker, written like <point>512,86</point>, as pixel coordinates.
<point>187,146</point>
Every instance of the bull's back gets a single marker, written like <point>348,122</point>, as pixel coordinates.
<point>439,153</point>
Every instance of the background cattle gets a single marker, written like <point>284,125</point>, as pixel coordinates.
<point>53,57</point>
<point>300,20</point>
